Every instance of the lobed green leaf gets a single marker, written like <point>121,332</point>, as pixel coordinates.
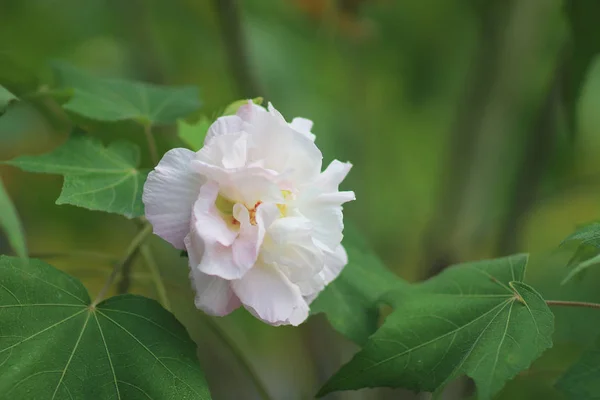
<point>477,319</point>
<point>119,100</point>
<point>96,177</point>
<point>55,344</point>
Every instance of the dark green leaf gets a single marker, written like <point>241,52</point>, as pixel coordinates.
<point>582,380</point>
<point>232,108</point>
<point>118,100</point>
<point>351,301</point>
<point>96,177</point>
<point>477,319</point>
<point>9,222</point>
<point>193,135</point>
<point>56,345</point>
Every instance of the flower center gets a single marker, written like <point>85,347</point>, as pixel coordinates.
<point>225,207</point>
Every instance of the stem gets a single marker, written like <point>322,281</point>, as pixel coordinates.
<point>572,304</point>
<point>151,143</point>
<point>129,254</point>
<point>155,273</point>
<point>239,354</point>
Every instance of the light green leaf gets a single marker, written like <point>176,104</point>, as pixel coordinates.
<point>582,380</point>
<point>96,177</point>
<point>351,301</point>
<point>5,97</point>
<point>588,234</point>
<point>232,108</point>
<point>9,222</point>
<point>588,252</point>
<point>477,319</point>
<point>56,345</point>
<point>193,135</point>
<point>118,100</point>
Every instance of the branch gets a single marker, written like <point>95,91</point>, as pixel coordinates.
<point>583,304</point>
<point>127,258</point>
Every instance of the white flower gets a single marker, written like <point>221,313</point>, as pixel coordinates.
<point>261,223</point>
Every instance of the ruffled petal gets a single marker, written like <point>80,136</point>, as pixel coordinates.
<point>270,296</point>
<point>303,126</point>
<point>225,125</point>
<point>169,195</point>
<point>213,294</point>
<point>216,235</point>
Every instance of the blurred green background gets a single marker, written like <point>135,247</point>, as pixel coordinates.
<point>473,127</point>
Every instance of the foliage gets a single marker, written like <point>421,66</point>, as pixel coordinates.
<point>477,319</point>
<point>96,177</point>
<point>480,319</point>
<point>55,341</point>
<point>588,250</point>
<point>118,100</point>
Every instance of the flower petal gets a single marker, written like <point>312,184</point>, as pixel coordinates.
<point>303,126</point>
<point>169,195</point>
<point>270,296</point>
<point>213,294</point>
<point>216,236</point>
<point>225,125</point>
<point>227,150</point>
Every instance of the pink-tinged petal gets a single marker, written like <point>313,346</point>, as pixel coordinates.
<point>208,221</point>
<point>213,294</point>
<point>216,236</point>
<point>225,125</point>
<point>169,195</point>
<point>271,297</point>
<point>283,149</point>
<point>249,111</point>
<point>243,185</point>
<point>303,126</point>
<point>228,150</point>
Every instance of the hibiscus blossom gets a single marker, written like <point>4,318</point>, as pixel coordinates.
<point>261,223</point>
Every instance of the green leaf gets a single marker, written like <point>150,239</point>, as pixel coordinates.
<point>477,319</point>
<point>351,301</point>
<point>588,252</point>
<point>582,380</point>
<point>5,98</point>
<point>232,108</point>
<point>9,222</point>
<point>56,344</point>
<point>118,100</point>
<point>193,134</point>
<point>96,177</point>
<point>587,234</point>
